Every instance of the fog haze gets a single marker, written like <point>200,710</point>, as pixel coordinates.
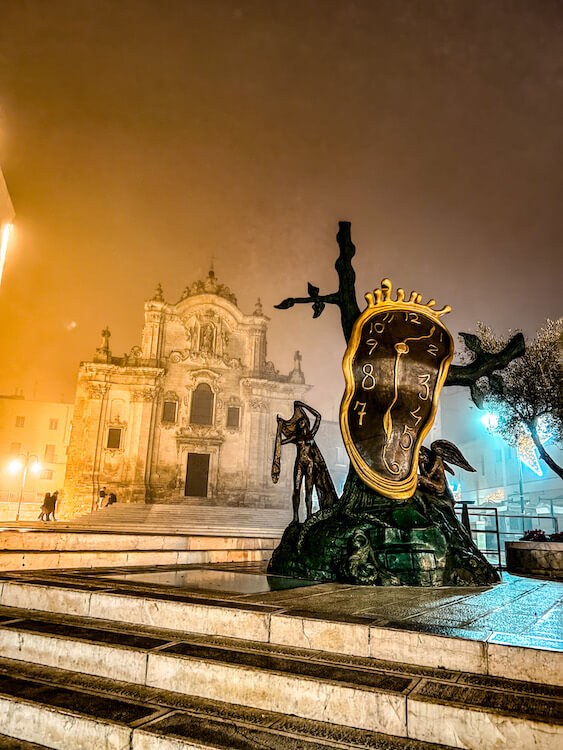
<point>142,140</point>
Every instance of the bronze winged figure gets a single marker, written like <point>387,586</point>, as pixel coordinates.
<point>432,466</point>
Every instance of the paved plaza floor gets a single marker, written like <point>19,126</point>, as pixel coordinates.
<point>518,611</point>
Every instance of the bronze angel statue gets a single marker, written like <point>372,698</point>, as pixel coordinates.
<point>432,467</point>
<point>310,467</point>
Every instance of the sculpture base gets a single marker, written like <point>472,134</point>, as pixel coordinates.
<point>416,542</point>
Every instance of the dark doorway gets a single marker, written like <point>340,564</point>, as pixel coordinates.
<point>197,473</point>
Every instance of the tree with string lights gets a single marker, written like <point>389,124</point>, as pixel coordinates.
<point>527,397</point>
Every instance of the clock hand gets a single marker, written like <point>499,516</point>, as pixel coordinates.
<point>401,348</point>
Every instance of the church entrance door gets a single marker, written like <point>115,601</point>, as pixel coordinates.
<point>197,473</point>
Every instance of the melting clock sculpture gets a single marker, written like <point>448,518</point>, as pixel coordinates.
<point>395,365</point>
<point>391,526</point>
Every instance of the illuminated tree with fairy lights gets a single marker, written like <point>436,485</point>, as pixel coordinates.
<point>527,398</point>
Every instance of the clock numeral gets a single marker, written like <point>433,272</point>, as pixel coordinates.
<point>433,350</point>
<point>392,467</point>
<point>361,411</point>
<point>372,343</point>
<point>412,317</point>
<point>423,380</point>
<point>409,438</point>
<point>414,415</point>
<point>368,381</point>
<point>388,317</point>
<point>376,327</point>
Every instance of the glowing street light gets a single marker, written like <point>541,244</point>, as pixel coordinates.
<point>490,421</point>
<point>4,239</point>
<point>25,462</point>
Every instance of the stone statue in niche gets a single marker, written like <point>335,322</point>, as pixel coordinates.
<point>310,468</point>
<point>432,468</point>
<point>206,338</point>
<point>191,336</point>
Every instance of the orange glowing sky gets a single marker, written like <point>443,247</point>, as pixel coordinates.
<point>140,138</point>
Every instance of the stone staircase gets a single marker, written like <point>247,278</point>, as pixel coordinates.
<point>188,519</point>
<point>130,534</point>
<point>99,665</point>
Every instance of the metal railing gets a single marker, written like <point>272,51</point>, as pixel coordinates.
<point>492,526</point>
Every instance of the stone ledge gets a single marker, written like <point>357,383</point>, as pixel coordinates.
<point>542,559</point>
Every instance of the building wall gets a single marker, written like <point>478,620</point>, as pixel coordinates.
<point>502,481</point>
<point>36,428</point>
<point>202,339</point>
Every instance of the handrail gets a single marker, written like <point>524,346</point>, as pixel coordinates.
<point>494,514</point>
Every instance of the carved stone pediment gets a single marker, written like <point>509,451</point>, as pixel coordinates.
<point>201,433</point>
<point>202,375</point>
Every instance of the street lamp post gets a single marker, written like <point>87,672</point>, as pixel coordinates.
<point>26,462</point>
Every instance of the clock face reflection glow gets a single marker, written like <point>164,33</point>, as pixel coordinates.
<point>395,365</point>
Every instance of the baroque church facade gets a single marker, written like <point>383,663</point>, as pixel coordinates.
<point>189,416</point>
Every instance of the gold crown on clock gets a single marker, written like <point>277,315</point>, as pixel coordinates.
<point>383,297</point>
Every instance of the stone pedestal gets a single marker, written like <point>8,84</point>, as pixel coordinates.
<point>416,542</point>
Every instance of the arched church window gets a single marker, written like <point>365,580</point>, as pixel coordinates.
<point>202,405</point>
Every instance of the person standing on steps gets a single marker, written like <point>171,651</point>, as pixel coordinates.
<point>112,499</point>
<point>101,498</point>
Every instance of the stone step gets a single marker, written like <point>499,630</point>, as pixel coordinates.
<point>61,540</point>
<point>11,743</point>
<point>31,560</point>
<point>227,615</point>
<point>401,700</point>
<point>51,548</point>
<point>163,529</point>
<point>73,711</point>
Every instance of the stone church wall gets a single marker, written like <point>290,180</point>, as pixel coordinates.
<point>134,432</point>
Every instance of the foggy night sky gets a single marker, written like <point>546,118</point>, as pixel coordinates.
<point>141,138</point>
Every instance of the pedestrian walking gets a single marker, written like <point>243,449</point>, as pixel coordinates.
<point>52,506</point>
<point>45,507</point>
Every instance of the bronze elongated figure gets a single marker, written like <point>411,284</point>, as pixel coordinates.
<point>310,468</point>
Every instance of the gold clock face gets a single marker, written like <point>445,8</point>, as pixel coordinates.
<point>395,365</point>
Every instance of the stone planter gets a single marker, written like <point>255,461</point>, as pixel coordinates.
<point>540,559</point>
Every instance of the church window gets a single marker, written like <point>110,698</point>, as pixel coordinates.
<point>50,453</point>
<point>114,438</point>
<point>20,421</point>
<point>169,409</point>
<point>202,405</point>
<point>233,416</point>
<point>46,474</point>
<point>53,424</point>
